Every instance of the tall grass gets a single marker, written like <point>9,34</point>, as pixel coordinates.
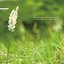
<point>34,50</point>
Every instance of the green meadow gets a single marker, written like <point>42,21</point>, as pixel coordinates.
<point>34,40</point>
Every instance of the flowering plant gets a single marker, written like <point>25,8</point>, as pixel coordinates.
<point>13,19</point>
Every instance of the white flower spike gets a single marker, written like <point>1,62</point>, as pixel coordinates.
<point>13,19</point>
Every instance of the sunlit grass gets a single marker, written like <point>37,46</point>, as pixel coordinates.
<point>48,51</point>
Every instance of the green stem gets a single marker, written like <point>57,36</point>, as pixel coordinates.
<point>8,47</point>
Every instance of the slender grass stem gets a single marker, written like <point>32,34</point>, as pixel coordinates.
<point>8,48</point>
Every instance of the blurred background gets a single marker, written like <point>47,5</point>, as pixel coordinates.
<point>39,32</point>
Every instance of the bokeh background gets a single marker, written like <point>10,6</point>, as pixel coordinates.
<point>39,32</point>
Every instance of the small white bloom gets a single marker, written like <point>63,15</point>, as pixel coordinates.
<point>13,19</point>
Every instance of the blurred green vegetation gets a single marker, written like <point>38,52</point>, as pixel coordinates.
<point>34,40</point>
